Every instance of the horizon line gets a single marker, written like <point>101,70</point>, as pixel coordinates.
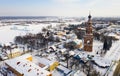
<point>54,16</point>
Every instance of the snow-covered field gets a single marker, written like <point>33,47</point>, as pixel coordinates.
<point>8,33</point>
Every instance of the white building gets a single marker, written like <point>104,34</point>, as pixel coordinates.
<point>22,66</point>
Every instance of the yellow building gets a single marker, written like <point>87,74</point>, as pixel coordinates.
<point>14,53</point>
<point>53,66</point>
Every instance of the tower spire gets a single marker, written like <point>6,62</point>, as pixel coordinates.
<point>89,15</point>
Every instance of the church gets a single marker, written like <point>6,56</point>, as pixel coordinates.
<point>88,38</point>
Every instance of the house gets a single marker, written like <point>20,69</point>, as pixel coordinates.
<point>64,70</point>
<point>14,52</point>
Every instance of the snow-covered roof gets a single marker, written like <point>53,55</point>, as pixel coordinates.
<point>63,50</point>
<point>53,47</point>
<point>26,67</point>
<point>64,69</point>
<point>113,35</point>
<point>71,53</point>
<point>77,41</point>
<point>83,55</point>
<point>44,61</point>
<point>61,46</point>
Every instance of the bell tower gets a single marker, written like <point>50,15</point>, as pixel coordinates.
<point>88,38</point>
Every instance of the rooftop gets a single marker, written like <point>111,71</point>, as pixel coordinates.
<point>26,67</point>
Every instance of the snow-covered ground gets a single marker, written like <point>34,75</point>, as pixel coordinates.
<point>8,33</point>
<point>97,46</point>
<point>113,53</point>
<point>111,57</point>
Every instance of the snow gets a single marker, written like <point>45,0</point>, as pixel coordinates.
<point>79,73</point>
<point>113,35</point>
<point>74,23</point>
<point>97,46</point>
<point>110,57</point>
<point>71,53</point>
<point>56,73</point>
<point>113,53</point>
<point>77,41</point>
<point>54,24</point>
<point>63,69</point>
<point>44,61</point>
<point>8,33</point>
<point>26,67</point>
<point>102,61</point>
<point>101,25</point>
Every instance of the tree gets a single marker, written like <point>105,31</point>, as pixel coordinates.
<point>96,35</point>
<point>105,45</point>
<point>79,33</point>
<point>18,39</point>
<point>109,42</point>
<point>89,68</point>
<point>44,29</point>
<point>9,48</point>
<point>23,49</point>
<point>67,59</point>
<point>95,73</point>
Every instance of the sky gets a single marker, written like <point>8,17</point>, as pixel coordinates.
<point>70,8</point>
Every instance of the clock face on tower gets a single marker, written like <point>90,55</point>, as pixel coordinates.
<point>88,41</point>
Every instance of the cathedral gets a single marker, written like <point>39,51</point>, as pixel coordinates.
<point>88,38</point>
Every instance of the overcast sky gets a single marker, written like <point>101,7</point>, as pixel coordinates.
<point>59,7</point>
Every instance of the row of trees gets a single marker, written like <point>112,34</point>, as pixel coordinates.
<point>36,41</point>
<point>9,48</point>
<point>107,43</point>
<point>33,41</point>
